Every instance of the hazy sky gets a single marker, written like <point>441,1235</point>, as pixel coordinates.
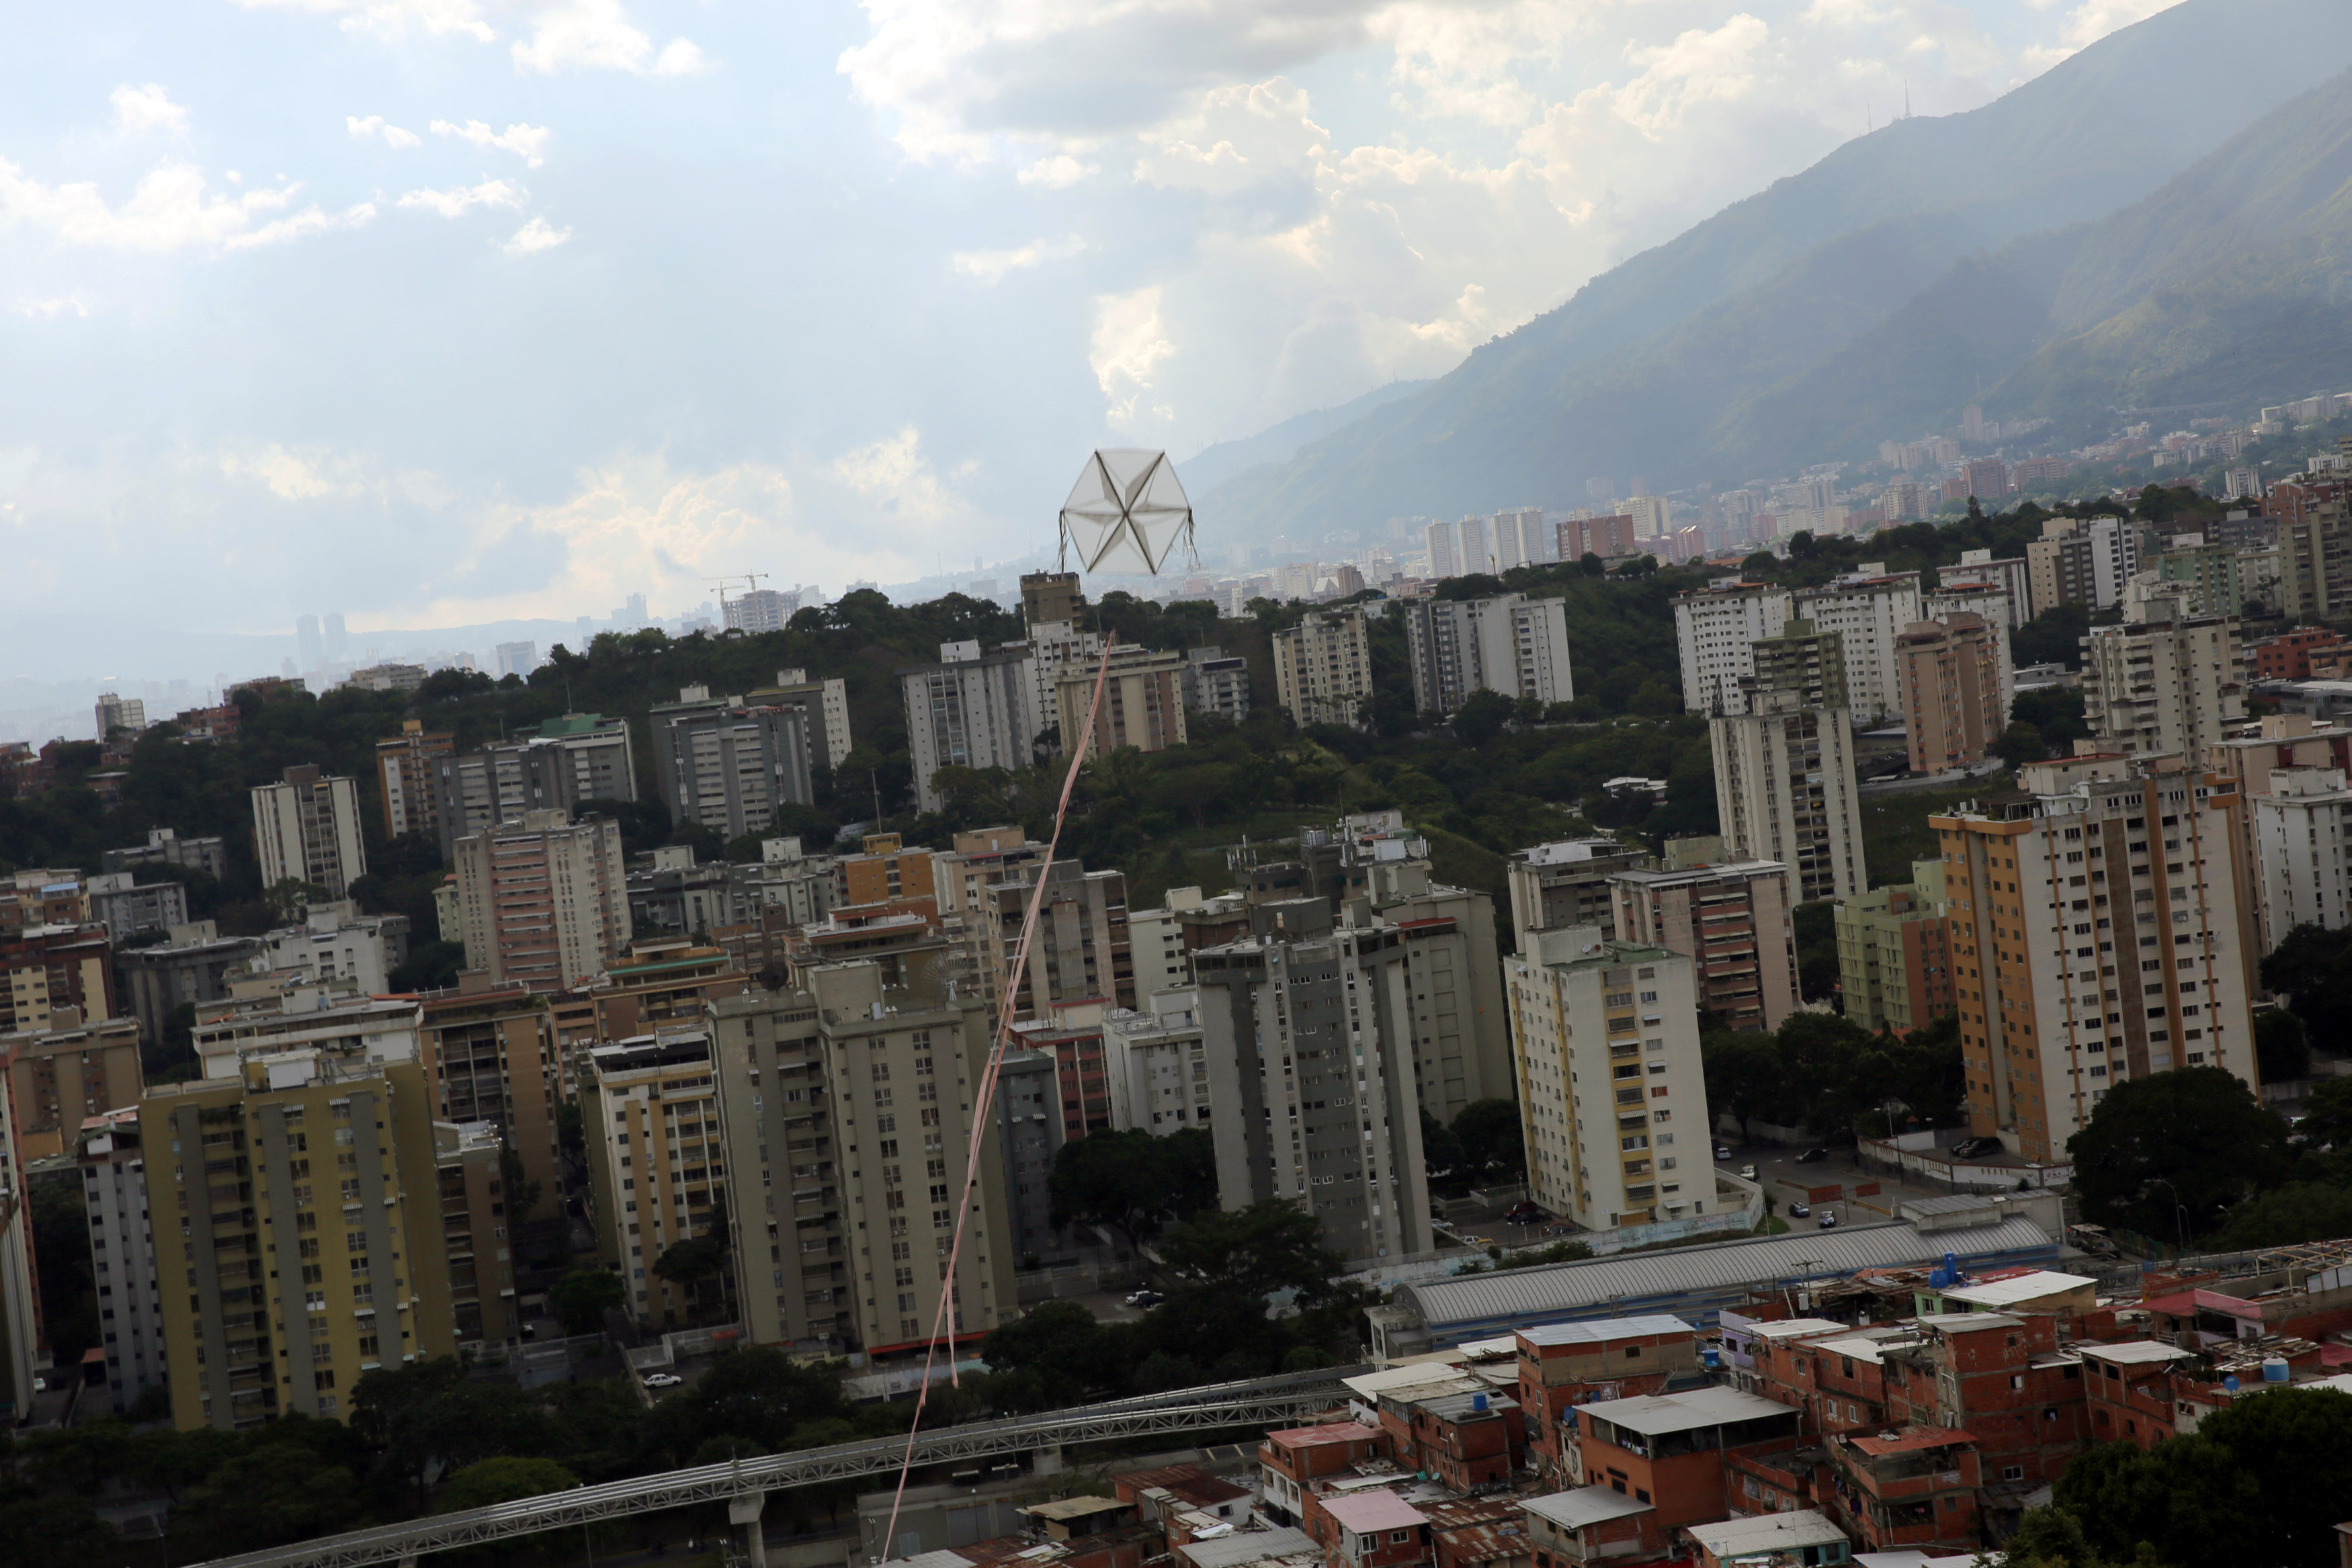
<point>436,311</point>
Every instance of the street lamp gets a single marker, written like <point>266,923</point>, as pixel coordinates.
<point>2179,1210</point>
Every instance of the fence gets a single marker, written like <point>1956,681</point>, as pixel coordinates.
<point>1919,1153</point>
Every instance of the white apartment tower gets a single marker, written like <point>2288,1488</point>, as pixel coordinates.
<point>2163,680</point>
<point>1715,633</point>
<point>1612,1100</point>
<point>1323,667</point>
<point>1509,645</point>
<point>970,710</point>
<point>1785,791</point>
<point>307,828</point>
<point>1870,608</point>
<point>2303,851</point>
<point>122,1255</point>
<point>1442,557</point>
<point>1478,551</point>
<point>2096,936</point>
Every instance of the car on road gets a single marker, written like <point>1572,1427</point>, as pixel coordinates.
<point>1475,1241</point>
<point>664,1380</point>
<point>1828,1220</point>
<point>1145,1297</point>
<point>1524,1214</point>
<point>1722,1152</point>
<point>1748,1173</point>
<point>1799,1210</point>
<point>1813,1157</point>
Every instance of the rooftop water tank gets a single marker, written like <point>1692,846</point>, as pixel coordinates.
<point>2274,1369</point>
<point>1478,1401</point>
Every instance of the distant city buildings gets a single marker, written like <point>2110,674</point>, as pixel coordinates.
<point>1323,668</point>
<point>1509,645</point>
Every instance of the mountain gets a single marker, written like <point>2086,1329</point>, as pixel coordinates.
<point>1212,465</point>
<point>1658,367</point>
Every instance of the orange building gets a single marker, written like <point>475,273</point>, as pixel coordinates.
<point>886,872</point>
<point>1947,681</point>
<point>1668,1450</point>
<point>1563,1366</point>
<point>2287,656</point>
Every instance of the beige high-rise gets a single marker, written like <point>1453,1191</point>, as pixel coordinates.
<point>1142,702</point>
<point>1733,920</point>
<point>545,900</point>
<point>2164,681</point>
<point>2097,935</point>
<point>1785,791</point>
<point>1949,681</point>
<point>307,828</point>
<point>1323,667</point>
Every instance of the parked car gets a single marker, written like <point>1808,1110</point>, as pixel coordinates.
<point>1475,1241</point>
<point>1525,1214</point>
<point>1145,1297</point>
<point>1748,1173</point>
<point>1828,1220</point>
<point>1970,1148</point>
<point>1722,1152</point>
<point>1799,1210</point>
<point>664,1380</point>
<point>1813,1156</point>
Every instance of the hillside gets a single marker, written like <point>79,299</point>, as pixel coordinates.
<point>1630,374</point>
<point>1212,465</point>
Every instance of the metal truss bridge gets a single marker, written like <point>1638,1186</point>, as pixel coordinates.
<point>1261,1402</point>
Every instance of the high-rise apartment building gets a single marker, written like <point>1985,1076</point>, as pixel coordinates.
<point>1567,884</point>
<point>1895,960</point>
<point>1050,599</point>
<point>1734,921</point>
<point>2303,851</point>
<point>1715,633</point>
<point>1142,702</point>
<point>658,1172</point>
<point>1869,608</point>
<point>336,942</point>
<point>491,1058</point>
<point>1305,1034</point>
<point>404,770</point>
<point>2081,562</point>
<point>1508,644</point>
<point>1654,516</point>
<point>59,1075</point>
<point>1949,682</point>
<point>165,847</point>
<point>1029,1135</point>
<point>302,1193</point>
<point>2097,937</point>
<point>1785,791</point>
<point>823,705</point>
<point>2164,680</point>
<point>1445,560</point>
<point>120,713</point>
<point>847,1114</point>
<point>1157,1066</point>
<point>730,767</point>
<point>1323,668</point>
<point>544,900</point>
<point>46,970</point>
<point>1524,537</point>
<point>307,828</point>
<point>1611,1091</point>
<point>1216,684</point>
<point>1478,551</point>
<point>517,659</point>
<point>1973,584</point>
<point>1802,659</point>
<point>970,710</point>
<point>572,763</point>
<point>1461,1049</point>
<point>113,1170</point>
<point>762,609</point>
<point>2315,560</point>
<point>20,1312</point>
<point>1080,951</point>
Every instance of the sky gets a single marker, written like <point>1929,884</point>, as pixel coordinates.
<point>436,312</point>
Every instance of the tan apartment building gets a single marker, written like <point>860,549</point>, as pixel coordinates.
<point>1949,686</point>
<point>1734,921</point>
<point>885,871</point>
<point>658,984</point>
<point>1080,952</point>
<point>403,769</point>
<point>1323,667</point>
<point>1606,1036</point>
<point>1567,884</point>
<point>2097,937</point>
<point>1785,791</point>
<point>656,1163</point>
<point>478,1220</point>
<point>2163,680</point>
<point>545,899</point>
<point>60,1077</point>
<point>491,1057</point>
<point>1142,702</point>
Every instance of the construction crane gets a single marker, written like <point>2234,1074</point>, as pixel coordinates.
<point>751,581</point>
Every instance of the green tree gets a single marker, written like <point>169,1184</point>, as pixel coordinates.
<point>2328,1114</point>
<point>1481,717</point>
<point>2280,1050</point>
<point>1742,1072</point>
<point>290,899</point>
<point>270,1496</point>
<point>2311,971</point>
<point>506,1479</point>
<point>1051,1356</point>
<point>54,1532</point>
<point>583,1297</point>
<point>1129,1181</point>
<point>1817,949</point>
<point>691,1264</point>
<point>1441,1151</point>
<point>1250,1253</point>
<point>2193,1137</point>
<point>2297,1212</point>
<point>2049,1537</point>
<point>1488,1133</point>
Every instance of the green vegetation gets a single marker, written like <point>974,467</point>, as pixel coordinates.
<point>1830,1074</point>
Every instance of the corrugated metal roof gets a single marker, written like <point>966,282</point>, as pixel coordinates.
<point>1607,1286</point>
<point>1658,1413</point>
<point>1604,1330</point>
<point>1245,1547</point>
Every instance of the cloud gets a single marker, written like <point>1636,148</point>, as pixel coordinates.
<point>1242,135</point>
<point>992,266</point>
<point>1128,343</point>
<point>148,108</point>
<point>391,19</point>
<point>454,201</point>
<point>595,35</point>
<point>894,475</point>
<point>50,309</point>
<point>535,237</point>
<point>172,208</point>
<point>1057,172</point>
<point>373,125</point>
<point>288,476</point>
<point>1698,67</point>
<point>311,220</point>
<point>528,143</point>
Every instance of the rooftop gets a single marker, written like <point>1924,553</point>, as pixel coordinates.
<point>1367,1511</point>
<point>1797,1328</point>
<point>1607,1331</point>
<point>1655,1414</point>
<point>1586,1505</point>
<point>2139,1352</point>
<point>1329,1432</point>
<point>1766,1533</point>
<point>1915,1437</point>
<point>2031,1286</point>
<point>1245,1547</point>
<point>1968,1323</point>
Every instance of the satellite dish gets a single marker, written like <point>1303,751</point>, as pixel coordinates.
<point>1127,513</point>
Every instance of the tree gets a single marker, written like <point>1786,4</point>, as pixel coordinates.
<point>2191,1139</point>
<point>2297,1212</point>
<point>504,1479</point>
<point>2281,1051</point>
<point>583,1297</point>
<point>54,1532</point>
<point>1441,1151</point>
<point>1130,1182</point>
<point>2311,970</point>
<point>1818,974</point>
<point>270,1496</point>
<point>691,1262</point>
<point>1248,1254</point>
<point>2328,1114</point>
<point>2049,1537</point>
<point>290,899</point>
<point>1481,716</point>
<point>1742,1074</point>
<point>1488,1133</point>
<point>1051,1356</point>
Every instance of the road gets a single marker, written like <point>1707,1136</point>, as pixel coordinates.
<point>1784,1179</point>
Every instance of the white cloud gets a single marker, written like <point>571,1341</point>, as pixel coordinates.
<point>311,220</point>
<point>148,108</point>
<point>1698,67</point>
<point>1059,172</point>
<point>895,477</point>
<point>992,266</point>
<point>1242,135</point>
<point>50,309</point>
<point>1128,343</point>
<point>596,34</point>
<point>391,19</point>
<point>535,237</point>
<point>528,143</point>
<point>374,125</point>
<point>174,208</point>
<point>288,476</point>
<point>451,203</point>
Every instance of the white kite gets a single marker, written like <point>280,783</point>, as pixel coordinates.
<point>1128,510</point>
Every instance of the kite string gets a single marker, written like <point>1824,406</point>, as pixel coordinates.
<point>984,1098</point>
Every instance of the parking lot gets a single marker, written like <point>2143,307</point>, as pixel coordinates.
<point>1863,1194</point>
